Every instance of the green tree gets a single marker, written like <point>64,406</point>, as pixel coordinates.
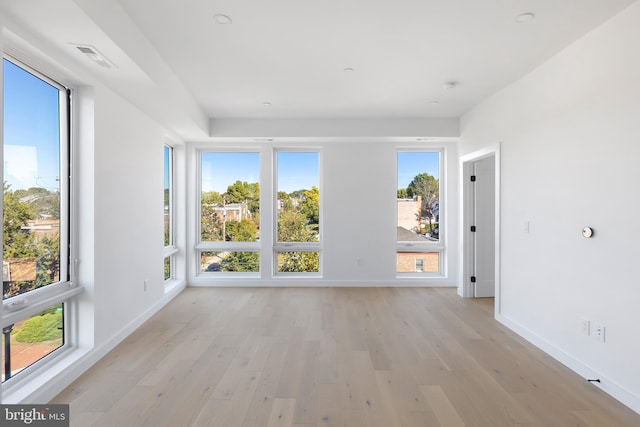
<point>211,198</point>
<point>48,260</point>
<point>167,237</point>
<point>296,262</point>
<point>17,242</point>
<point>287,204</point>
<point>210,224</point>
<point>239,192</point>
<point>310,205</point>
<point>46,203</point>
<point>298,222</point>
<point>241,231</point>
<point>44,327</point>
<point>20,207</point>
<point>402,193</point>
<point>241,261</point>
<point>428,188</point>
<point>292,227</point>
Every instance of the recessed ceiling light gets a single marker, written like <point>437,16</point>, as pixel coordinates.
<point>449,85</point>
<point>525,17</point>
<point>266,104</point>
<point>434,102</point>
<point>348,70</point>
<point>222,19</point>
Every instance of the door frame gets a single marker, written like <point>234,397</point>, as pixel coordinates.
<point>465,289</point>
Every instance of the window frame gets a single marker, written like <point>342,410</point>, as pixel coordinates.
<point>427,246</point>
<point>65,290</point>
<point>278,247</point>
<point>212,246</point>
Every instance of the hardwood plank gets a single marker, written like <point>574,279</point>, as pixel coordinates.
<point>332,357</point>
<point>264,396</point>
<point>327,405</point>
<point>441,406</point>
<point>282,413</point>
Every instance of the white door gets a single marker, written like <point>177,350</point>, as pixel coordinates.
<point>483,238</point>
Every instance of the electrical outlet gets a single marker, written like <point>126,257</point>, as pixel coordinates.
<point>525,227</point>
<point>599,332</point>
<point>145,285</point>
<point>586,327</point>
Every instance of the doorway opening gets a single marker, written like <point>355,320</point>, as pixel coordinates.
<point>481,224</point>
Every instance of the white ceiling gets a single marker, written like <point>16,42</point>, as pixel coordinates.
<point>292,53</point>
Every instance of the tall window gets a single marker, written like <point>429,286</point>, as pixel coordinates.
<point>229,212</point>
<point>419,225</point>
<point>169,227</point>
<point>298,224</point>
<point>35,263</point>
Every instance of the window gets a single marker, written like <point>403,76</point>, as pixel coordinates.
<point>298,224</point>
<point>29,340</point>
<point>229,212</point>
<point>419,228</point>
<point>36,217</point>
<point>170,248</point>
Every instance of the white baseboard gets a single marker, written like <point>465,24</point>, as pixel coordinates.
<point>64,370</point>
<point>607,385</point>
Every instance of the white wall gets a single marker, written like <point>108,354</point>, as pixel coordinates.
<point>118,224</point>
<point>334,128</point>
<point>128,237</point>
<point>570,134</point>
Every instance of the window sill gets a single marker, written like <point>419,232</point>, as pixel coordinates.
<point>47,380</point>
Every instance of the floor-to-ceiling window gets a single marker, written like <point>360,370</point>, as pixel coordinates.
<point>36,276</point>
<point>229,226</point>
<point>297,212</point>
<point>170,248</point>
<point>419,223</point>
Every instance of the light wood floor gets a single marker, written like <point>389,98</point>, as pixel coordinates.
<point>333,357</point>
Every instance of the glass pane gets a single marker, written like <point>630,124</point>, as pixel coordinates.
<point>230,261</point>
<point>30,340</point>
<point>418,262</point>
<point>31,190</point>
<point>167,268</point>
<point>298,205</point>
<point>298,262</point>
<point>418,200</point>
<point>168,238</point>
<point>230,199</point>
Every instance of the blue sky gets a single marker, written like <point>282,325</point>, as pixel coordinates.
<point>31,130</point>
<point>167,167</point>
<point>220,170</point>
<point>296,170</point>
<point>413,163</point>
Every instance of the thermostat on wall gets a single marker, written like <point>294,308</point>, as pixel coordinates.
<point>587,232</point>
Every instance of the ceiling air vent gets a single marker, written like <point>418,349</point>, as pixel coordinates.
<point>93,54</point>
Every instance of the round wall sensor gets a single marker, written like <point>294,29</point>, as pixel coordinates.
<point>525,17</point>
<point>222,19</point>
<point>587,232</point>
